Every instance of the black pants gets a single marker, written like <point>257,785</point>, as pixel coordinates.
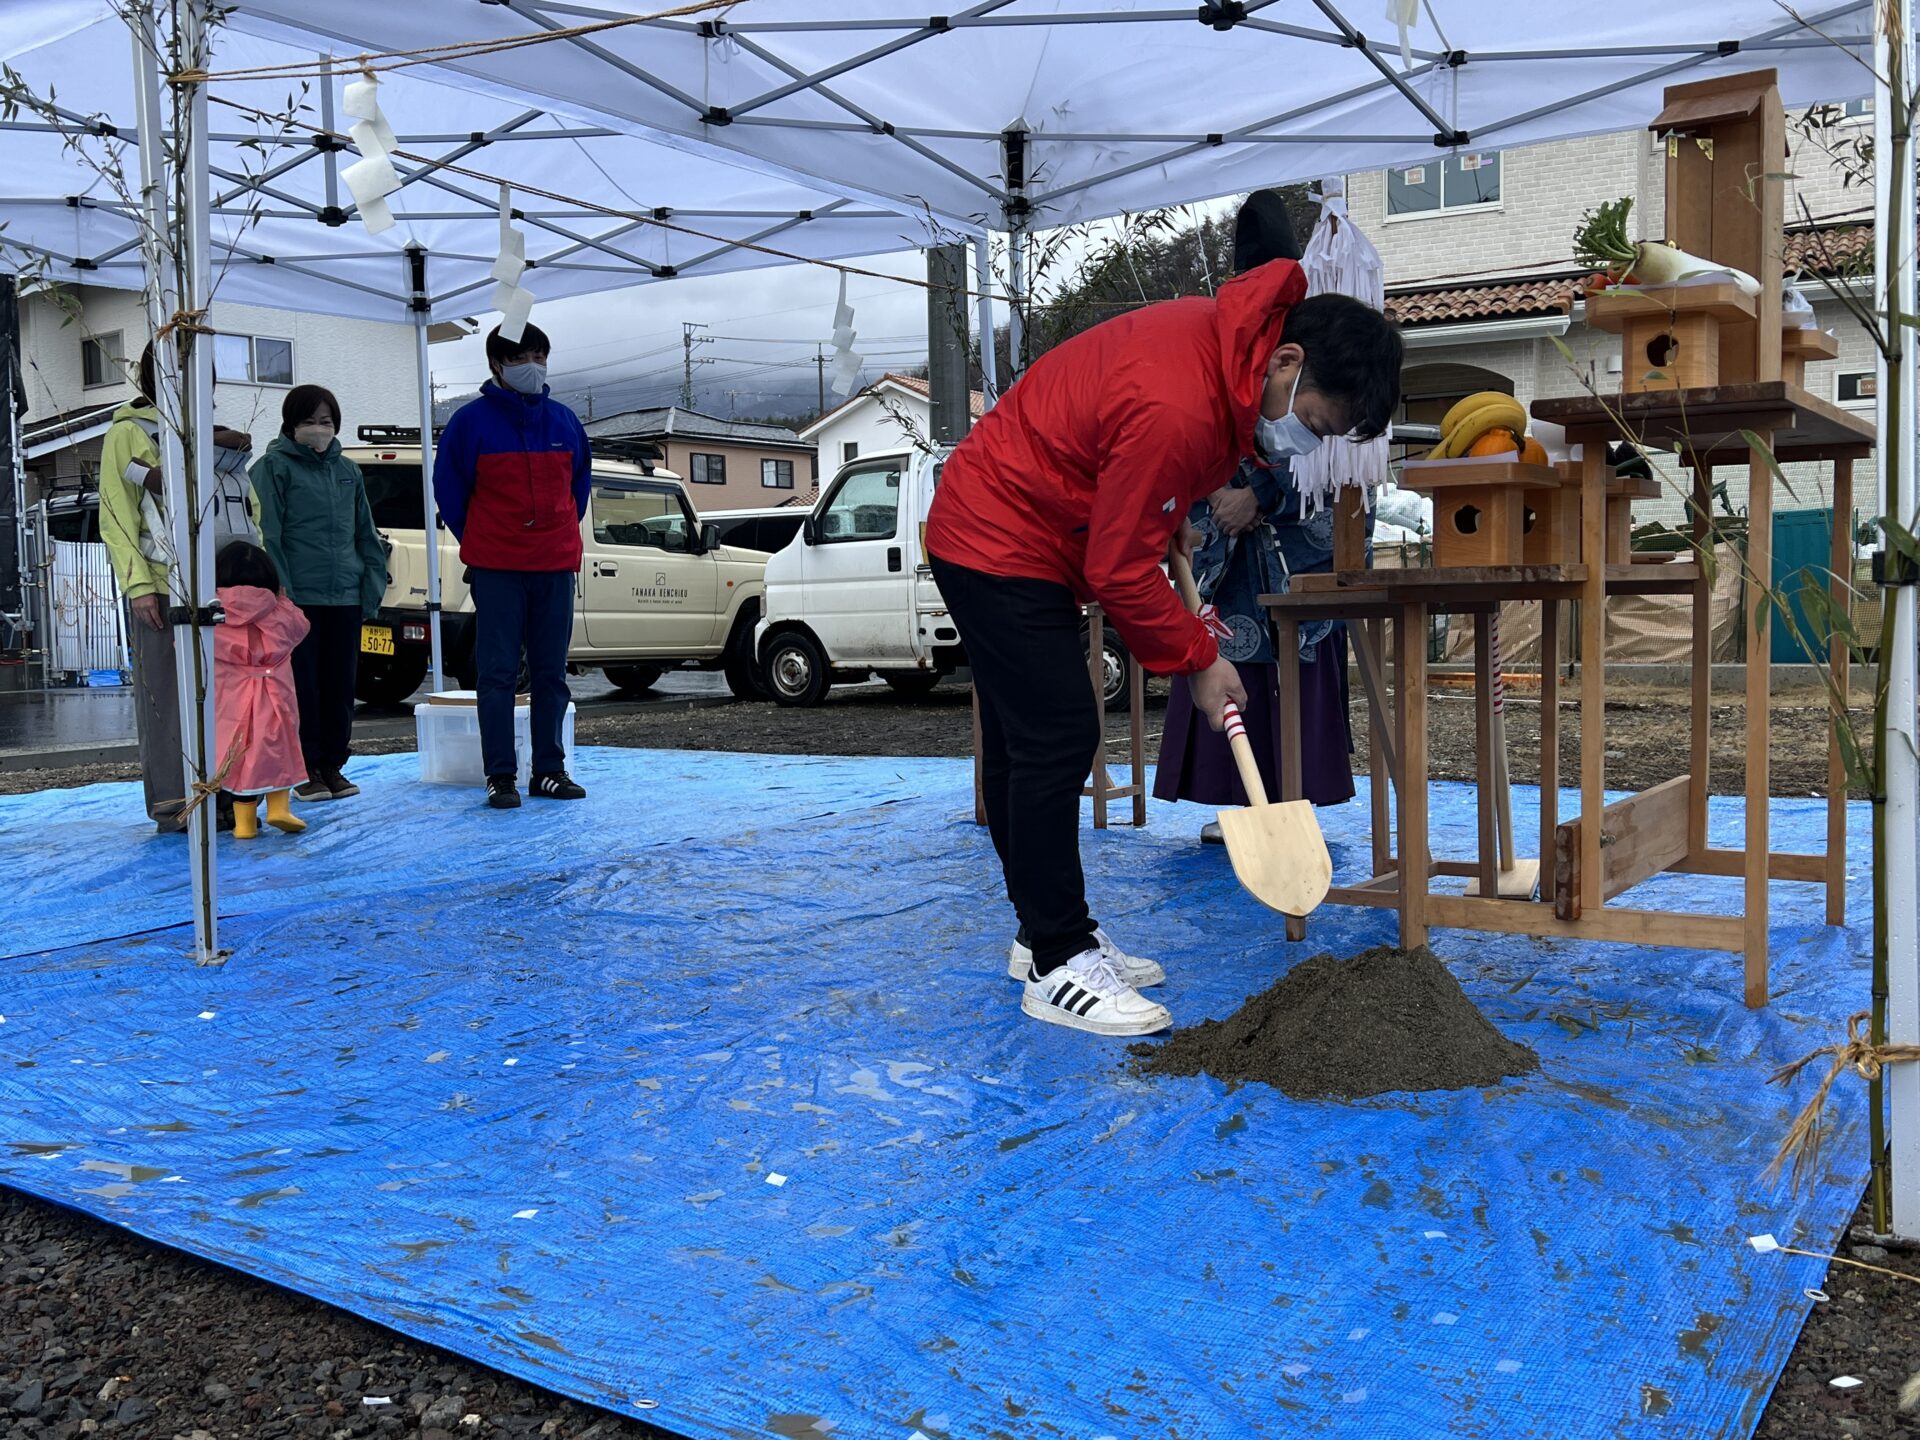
<point>325,666</point>
<point>518,611</point>
<point>1038,732</point>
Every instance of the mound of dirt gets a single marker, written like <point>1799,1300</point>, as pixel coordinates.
<point>1387,1019</point>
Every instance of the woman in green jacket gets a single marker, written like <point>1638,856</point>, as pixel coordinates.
<point>316,524</point>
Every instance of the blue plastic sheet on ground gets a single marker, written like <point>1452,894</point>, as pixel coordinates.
<point>708,1100</point>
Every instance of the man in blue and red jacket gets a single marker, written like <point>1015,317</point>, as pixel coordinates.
<point>511,477</point>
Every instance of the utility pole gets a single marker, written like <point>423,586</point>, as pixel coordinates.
<point>687,341</point>
<point>589,402</point>
<point>820,373</point>
<point>949,413</point>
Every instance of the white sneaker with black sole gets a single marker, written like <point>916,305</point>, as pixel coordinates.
<point>1087,994</point>
<point>1132,969</point>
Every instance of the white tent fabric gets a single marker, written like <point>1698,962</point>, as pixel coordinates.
<point>1126,104</point>
<point>279,243</point>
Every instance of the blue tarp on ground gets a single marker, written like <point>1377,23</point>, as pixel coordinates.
<point>711,1093</point>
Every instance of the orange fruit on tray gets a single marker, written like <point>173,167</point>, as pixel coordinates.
<point>1495,442</point>
<point>1534,453</point>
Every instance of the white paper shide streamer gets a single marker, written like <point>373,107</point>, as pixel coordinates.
<point>1339,260</point>
<point>512,299</point>
<point>846,364</point>
<point>371,178</point>
<point>1404,14</point>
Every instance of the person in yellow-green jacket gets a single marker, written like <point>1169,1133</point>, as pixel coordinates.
<point>133,527</point>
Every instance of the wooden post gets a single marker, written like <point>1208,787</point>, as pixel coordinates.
<point>1287,646</point>
<point>1137,736</point>
<point>979,765</point>
<point>1593,662</point>
<point>1369,644</point>
<point>1488,858</point>
<point>1096,669</point>
<point>1410,649</point>
<point>1701,766</point>
<point>1840,562</point>
<point>1549,732</point>
<point>1759,677</point>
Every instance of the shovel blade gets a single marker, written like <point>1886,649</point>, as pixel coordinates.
<point>1279,855</point>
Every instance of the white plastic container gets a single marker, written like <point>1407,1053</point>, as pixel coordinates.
<point>448,728</point>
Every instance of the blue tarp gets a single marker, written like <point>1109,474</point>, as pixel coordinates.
<point>710,1096</point>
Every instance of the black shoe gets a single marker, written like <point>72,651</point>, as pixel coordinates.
<point>502,793</point>
<point>340,785</point>
<point>556,785</point>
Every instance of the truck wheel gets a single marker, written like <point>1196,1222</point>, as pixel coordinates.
<point>796,670</point>
<point>911,684</point>
<point>1113,669</point>
<point>390,679</point>
<point>635,679</point>
<point>743,672</point>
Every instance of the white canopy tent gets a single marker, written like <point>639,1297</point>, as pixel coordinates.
<point>1012,114</point>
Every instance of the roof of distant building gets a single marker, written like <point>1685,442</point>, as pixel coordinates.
<point>662,422</point>
<point>976,402</point>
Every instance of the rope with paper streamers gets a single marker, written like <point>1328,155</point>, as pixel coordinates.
<point>1339,260</point>
<point>638,217</point>
<point>1801,1146</point>
<point>372,61</point>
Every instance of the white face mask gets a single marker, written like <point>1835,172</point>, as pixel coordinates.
<point>1287,437</point>
<point>529,378</point>
<point>315,437</point>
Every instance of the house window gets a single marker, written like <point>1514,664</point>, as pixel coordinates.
<point>1465,180</point>
<point>1856,387</point>
<point>776,474</point>
<point>849,450</point>
<point>708,469</point>
<point>252,360</point>
<point>1858,110</point>
<point>100,359</point>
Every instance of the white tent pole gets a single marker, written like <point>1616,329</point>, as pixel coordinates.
<point>1895,261</point>
<point>983,282</point>
<point>423,317</point>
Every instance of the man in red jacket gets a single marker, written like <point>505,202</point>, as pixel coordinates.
<point>1072,489</point>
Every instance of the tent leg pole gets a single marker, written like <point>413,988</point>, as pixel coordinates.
<point>430,533</point>
<point>983,283</point>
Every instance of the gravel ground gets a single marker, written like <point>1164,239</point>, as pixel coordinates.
<point>104,1333</point>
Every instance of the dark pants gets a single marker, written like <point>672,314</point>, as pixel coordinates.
<point>156,717</point>
<point>516,611</point>
<point>1038,733</point>
<point>325,666</point>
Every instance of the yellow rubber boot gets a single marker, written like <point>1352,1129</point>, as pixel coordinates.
<point>246,819</point>
<point>280,814</point>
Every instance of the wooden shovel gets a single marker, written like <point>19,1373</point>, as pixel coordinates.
<point>1277,851</point>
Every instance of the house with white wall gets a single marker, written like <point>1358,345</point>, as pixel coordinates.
<point>1478,256</point>
<point>79,348</point>
<point>895,411</point>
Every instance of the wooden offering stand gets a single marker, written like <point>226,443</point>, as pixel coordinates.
<point>1728,372</point>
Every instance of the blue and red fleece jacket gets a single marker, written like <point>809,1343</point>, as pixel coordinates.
<point>511,475</point>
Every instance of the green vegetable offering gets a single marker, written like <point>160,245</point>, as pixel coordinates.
<point>1601,241</point>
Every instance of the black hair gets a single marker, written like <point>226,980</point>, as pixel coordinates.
<point>241,562</point>
<point>1353,355</point>
<point>300,404</point>
<point>533,341</point>
<point>1263,231</point>
<point>147,382</point>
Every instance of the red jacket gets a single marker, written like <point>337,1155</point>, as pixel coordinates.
<point>1083,472</point>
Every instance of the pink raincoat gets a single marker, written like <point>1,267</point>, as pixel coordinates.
<point>255,707</point>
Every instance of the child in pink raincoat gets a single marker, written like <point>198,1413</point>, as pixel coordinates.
<point>256,712</point>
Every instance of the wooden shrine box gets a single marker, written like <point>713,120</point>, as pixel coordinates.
<point>1671,336</point>
<point>1798,346</point>
<point>1478,509</point>
<point>1621,493</point>
<point>1550,521</point>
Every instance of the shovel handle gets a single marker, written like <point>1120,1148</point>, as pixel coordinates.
<point>1243,754</point>
<point>1183,578</point>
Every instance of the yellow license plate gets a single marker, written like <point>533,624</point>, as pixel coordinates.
<point>376,640</point>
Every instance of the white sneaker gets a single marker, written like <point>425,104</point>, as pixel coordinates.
<point>1087,994</point>
<point>1131,969</point>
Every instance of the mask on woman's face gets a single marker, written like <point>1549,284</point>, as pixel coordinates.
<point>316,437</point>
<point>1287,437</point>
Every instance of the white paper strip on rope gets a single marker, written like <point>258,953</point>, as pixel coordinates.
<point>846,364</point>
<point>371,178</point>
<point>512,299</point>
<point>1339,260</point>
